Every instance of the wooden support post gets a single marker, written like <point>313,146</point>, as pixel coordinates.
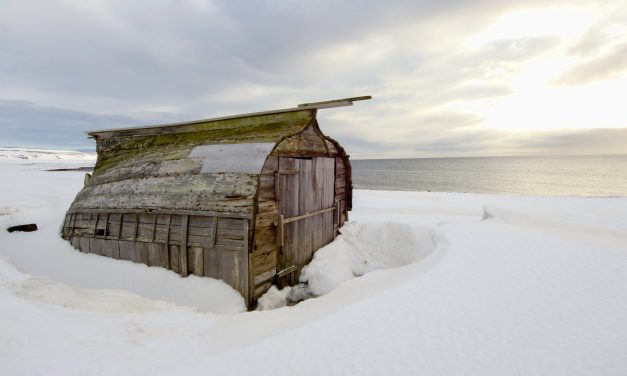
<point>167,241</point>
<point>183,250</point>
<point>95,223</point>
<point>104,236</point>
<point>120,226</point>
<point>136,225</point>
<point>74,224</point>
<point>246,237</point>
<point>154,227</point>
<point>215,231</point>
<point>277,186</point>
<point>280,231</point>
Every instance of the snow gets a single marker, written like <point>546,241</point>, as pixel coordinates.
<point>454,284</point>
<point>26,156</point>
<point>361,248</point>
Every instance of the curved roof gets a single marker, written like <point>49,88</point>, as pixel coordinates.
<point>210,164</point>
<point>142,145</point>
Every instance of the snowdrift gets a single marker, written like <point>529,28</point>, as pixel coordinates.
<point>360,249</point>
<point>501,285</point>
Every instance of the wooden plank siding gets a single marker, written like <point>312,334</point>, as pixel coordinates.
<point>265,256</point>
<point>151,201</point>
<point>215,246</point>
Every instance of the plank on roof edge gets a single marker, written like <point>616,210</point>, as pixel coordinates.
<point>301,107</point>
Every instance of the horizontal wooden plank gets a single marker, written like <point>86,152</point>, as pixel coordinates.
<point>200,221</point>
<point>230,224</point>
<point>265,235</point>
<point>85,212</point>
<point>307,215</point>
<point>205,241</point>
<point>230,243</point>
<point>262,261</point>
<point>200,231</point>
<point>138,168</point>
<point>265,276</point>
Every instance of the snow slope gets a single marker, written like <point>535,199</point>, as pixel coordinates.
<point>509,285</point>
<point>25,156</point>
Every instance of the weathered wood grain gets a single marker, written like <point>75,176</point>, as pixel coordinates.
<point>140,204</point>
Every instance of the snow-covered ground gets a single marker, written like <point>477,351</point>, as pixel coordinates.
<point>26,156</point>
<point>459,284</point>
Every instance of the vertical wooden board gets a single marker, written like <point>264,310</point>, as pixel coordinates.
<point>139,253</point>
<point>342,212</point>
<point>75,242</point>
<point>84,244</point>
<point>288,206</point>
<point>212,264</point>
<point>65,231</point>
<point>109,247</point>
<point>227,260</point>
<point>183,251</point>
<point>241,276</point>
<point>148,218</point>
<point>94,246</point>
<point>126,249</point>
<point>128,230</point>
<point>250,287</point>
<point>115,248</point>
<point>287,253</point>
<point>113,225</point>
<point>120,224</point>
<point>306,203</point>
<point>195,261</point>
<point>157,255</point>
<point>329,228</point>
<point>175,258</point>
<point>96,222</point>
<point>329,173</point>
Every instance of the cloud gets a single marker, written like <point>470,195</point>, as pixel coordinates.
<point>575,141</point>
<point>75,62</point>
<point>606,66</point>
<point>25,124</point>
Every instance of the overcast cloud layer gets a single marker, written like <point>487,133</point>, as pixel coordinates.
<point>449,78</point>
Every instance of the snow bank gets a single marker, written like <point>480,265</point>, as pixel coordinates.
<point>23,199</point>
<point>536,288</point>
<point>25,156</point>
<point>360,249</point>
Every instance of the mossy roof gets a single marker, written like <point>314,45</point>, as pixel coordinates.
<point>174,141</point>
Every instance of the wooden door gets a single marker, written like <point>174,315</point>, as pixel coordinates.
<point>306,203</point>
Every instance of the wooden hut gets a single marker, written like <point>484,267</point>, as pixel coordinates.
<point>247,199</point>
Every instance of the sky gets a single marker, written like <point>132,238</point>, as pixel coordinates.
<point>448,78</point>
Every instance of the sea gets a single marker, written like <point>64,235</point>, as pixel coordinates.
<point>598,176</point>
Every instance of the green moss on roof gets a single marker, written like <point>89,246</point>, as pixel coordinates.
<point>175,142</point>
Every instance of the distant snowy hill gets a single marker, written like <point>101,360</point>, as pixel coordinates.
<point>25,155</point>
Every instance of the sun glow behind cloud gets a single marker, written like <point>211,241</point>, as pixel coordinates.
<point>532,23</point>
<point>537,100</point>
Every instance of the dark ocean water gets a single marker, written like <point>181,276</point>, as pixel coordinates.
<point>570,175</point>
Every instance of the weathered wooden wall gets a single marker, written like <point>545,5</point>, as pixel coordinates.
<point>265,252</point>
<point>203,244</point>
<point>157,196</point>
